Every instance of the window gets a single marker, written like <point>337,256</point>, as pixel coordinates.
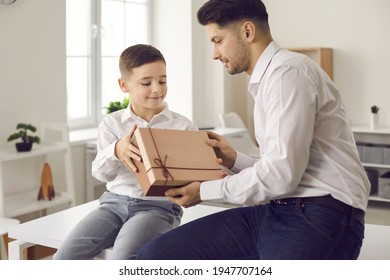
<point>96,34</point>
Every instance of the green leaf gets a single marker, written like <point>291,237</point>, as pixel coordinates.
<point>23,133</point>
<point>374,109</point>
<point>117,105</point>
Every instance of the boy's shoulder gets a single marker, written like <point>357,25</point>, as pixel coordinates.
<point>116,114</point>
<point>113,116</point>
<point>179,118</point>
<point>176,115</point>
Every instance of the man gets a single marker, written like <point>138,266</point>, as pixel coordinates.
<point>308,190</point>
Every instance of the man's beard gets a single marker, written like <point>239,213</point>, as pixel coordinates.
<point>242,60</point>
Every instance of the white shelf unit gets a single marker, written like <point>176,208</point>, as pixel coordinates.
<point>369,130</point>
<point>380,135</point>
<point>16,200</point>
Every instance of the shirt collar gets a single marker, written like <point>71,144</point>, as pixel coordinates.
<point>262,63</point>
<point>129,114</point>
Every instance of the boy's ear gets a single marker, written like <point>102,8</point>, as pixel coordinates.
<point>123,85</point>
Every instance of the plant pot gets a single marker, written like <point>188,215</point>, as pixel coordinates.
<point>24,146</point>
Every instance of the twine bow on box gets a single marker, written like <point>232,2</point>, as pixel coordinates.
<point>162,164</point>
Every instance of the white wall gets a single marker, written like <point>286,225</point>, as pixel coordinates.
<point>32,64</point>
<point>172,36</point>
<point>198,87</point>
<point>358,31</point>
<point>32,77</point>
<point>32,58</point>
<point>207,75</point>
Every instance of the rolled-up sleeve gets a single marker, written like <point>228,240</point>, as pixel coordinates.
<point>106,165</point>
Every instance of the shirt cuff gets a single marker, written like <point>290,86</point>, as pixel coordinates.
<point>109,151</point>
<point>211,190</point>
<point>242,161</point>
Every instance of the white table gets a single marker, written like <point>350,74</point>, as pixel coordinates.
<point>376,244</point>
<point>229,131</point>
<point>50,230</point>
<point>5,224</point>
<point>47,231</point>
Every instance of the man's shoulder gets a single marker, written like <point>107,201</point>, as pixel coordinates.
<point>286,59</point>
<point>285,56</point>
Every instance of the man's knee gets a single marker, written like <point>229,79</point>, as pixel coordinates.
<point>144,254</point>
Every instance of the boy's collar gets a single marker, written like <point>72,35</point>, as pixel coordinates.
<point>129,114</point>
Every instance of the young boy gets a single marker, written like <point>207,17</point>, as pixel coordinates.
<point>125,218</point>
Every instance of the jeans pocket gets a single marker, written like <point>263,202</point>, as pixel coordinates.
<point>325,220</point>
<point>165,205</point>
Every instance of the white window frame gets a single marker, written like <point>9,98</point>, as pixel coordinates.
<point>94,111</point>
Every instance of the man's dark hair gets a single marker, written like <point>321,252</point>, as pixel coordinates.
<point>224,12</point>
<point>138,55</point>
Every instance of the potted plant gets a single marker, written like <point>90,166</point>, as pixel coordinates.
<point>374,109</point>
<point>27,140</point>
<point>117,105</point>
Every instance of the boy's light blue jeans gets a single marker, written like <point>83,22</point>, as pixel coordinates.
<point>122,222</point>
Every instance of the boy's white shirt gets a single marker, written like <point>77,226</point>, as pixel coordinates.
<point>108,168</point>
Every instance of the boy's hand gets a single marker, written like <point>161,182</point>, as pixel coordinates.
<point>126,152</point>
<point>226,154</point>
<point>186,196</point>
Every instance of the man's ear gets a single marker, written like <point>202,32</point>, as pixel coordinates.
<point>248,31</point>
<point>123,85</point>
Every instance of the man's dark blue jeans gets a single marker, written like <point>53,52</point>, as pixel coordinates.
<point>303,231</point>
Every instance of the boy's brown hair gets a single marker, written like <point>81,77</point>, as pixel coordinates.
<point>136,56</point>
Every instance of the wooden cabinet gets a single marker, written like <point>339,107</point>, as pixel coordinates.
<point>323,56</point>
<point>16,199</point>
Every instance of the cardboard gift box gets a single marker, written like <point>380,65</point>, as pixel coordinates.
<point>173,158</point>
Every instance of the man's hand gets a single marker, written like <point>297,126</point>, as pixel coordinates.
<point>226,154</point>
<point>186,196</point>
<point>126,152</point>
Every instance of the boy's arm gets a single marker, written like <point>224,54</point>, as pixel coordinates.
<point>112,153</point>
<point>126,152</point>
